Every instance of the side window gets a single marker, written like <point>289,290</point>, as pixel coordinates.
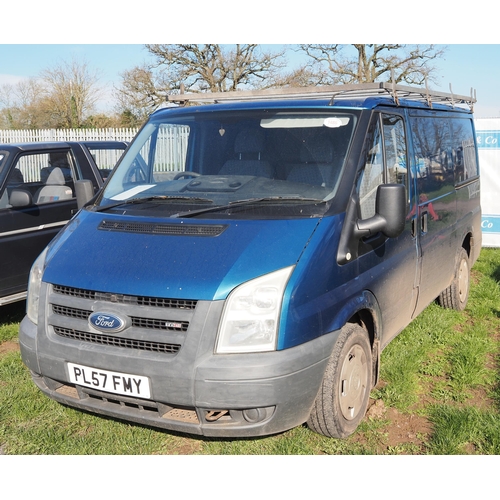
<point>373,174</point>
<point>386,161</point>
<point>463,150</point>
<point>105,159</point>
<point>47,176</point>
<point>395,149</point>
<point>445,153</point>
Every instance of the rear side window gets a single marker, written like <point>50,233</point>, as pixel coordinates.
<point>444,151</point>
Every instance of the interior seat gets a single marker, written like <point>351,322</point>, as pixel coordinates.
<point>248,147</point>
<point>316,163</point>
<point>55,188</point>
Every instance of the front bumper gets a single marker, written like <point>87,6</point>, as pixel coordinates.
<point>195,391</point>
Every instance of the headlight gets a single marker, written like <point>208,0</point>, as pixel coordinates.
<point>251,314</point>
<point>34,284</point>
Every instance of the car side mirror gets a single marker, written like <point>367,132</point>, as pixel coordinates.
<point>390,213</point>
<point>389,219</point>
<point>84,190</point>
<point>20,198</point>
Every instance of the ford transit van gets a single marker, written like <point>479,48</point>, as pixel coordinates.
<point>249,259</point>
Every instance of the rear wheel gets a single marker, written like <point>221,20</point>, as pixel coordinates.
<point>343,397</point>
<point>457,294</point>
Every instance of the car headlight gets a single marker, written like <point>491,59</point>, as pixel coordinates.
<point>34,284</point>
<point>251,313</point>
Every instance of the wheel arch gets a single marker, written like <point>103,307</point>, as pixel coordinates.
<point>365,312</point>
<point>468,243</point>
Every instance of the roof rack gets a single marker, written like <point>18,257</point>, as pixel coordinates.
<point>333,92</point>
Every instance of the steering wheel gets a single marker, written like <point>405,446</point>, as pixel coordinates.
<point>180,175</point>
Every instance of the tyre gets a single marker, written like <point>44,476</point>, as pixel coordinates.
<point>457,294</point>
<point>343,396</point>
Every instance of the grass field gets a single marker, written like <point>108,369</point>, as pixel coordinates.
<point>438,395</point>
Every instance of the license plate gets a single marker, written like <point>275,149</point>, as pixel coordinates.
<point>108,381</point>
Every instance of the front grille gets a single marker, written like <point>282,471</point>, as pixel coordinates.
<point>124,299</point>
<point>163,229</point>
<point>160,324</point>
<point>97,338</point>
<point>157,325</point>
<point>148,323</point>
<point>70,312</point>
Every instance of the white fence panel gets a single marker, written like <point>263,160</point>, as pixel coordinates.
<point>98,134</point>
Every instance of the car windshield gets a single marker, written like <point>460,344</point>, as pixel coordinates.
<point>248,164</point>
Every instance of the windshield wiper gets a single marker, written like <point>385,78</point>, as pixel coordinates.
<point>158,198</point>
<point>247,202</point>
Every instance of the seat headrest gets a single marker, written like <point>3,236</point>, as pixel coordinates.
<point>55,178</point>
<point>249,141</point>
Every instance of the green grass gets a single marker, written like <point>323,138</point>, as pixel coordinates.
<point>10,316</point>
<point>442,370</point>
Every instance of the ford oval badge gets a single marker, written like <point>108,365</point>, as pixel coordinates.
<point>106,322</point>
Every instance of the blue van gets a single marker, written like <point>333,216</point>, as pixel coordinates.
<point>248,260</point>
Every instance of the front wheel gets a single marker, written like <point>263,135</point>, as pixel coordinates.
<point>457,294</point>
<point>342,400</point>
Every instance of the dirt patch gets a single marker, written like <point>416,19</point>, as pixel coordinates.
<point>401,430</point>
<point>9,346</point>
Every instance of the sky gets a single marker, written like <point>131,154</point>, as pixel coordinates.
<point>465,66</point>
<point>110,35</point>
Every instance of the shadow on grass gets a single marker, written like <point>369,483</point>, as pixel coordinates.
<point>496,274</point>
<point>12,313</point>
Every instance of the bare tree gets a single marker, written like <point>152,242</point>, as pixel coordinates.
<point>60,97</point>
<point>139,93</point>
<point>363,63</point>
<point>197,68</point>
<point>71,93</point>
<point>215,68</point>
<point>21,104</point>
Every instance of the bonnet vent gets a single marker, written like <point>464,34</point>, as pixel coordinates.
<point>164,229</point>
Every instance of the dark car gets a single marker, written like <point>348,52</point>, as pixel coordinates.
<point>37,198</point>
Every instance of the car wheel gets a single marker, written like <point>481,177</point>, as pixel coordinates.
<point>457,294</point>
<point>342,400</point>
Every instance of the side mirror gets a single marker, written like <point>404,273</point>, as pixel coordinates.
<point>84,190</point>
<point>390,212</point>
<point>20,198</point>
<point>389,219</point>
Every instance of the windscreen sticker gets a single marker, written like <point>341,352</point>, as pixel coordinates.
<point>335,122</point>
<point>132,192</point>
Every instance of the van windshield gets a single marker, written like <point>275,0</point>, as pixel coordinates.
<point>241,164</point>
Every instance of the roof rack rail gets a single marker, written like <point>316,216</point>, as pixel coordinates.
<point>333,92</point>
